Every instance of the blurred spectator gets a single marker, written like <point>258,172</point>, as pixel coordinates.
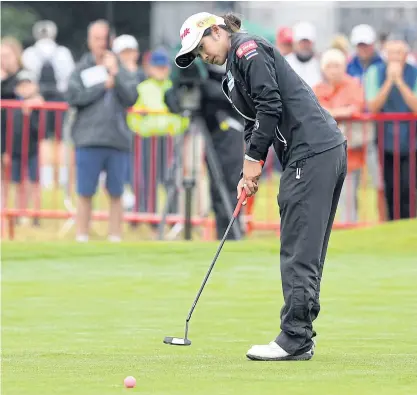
<point>145,62</point>
<point>151,97</point>
<point>51,63</point>
<point>343,96</point>
<point>127,50</point>
<point>341,42</point>
<point>392,87</point>
<point>25,139</point>
<point>303,60</point>
<point>363,39</point>
<point>10,52</point>
<point>284,41</point>
<point>101,90</point>
<point>383,40</point>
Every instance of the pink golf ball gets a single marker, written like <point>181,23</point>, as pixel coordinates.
<point>130,382</point>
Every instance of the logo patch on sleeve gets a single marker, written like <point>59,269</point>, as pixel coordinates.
<point>247,48</point>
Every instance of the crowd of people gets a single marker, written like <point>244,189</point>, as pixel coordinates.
<point>357,74</point>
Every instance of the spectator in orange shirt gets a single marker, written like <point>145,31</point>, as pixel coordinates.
<point>343,96</point>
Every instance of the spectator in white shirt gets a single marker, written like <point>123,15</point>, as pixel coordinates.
<point>46,50</point>
<point>52,65</point>
<point>303,60</point>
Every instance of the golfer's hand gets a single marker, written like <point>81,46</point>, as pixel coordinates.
<point>239,191</point>
<point>251,173</point>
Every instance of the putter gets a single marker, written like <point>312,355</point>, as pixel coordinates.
<point>179,341</point>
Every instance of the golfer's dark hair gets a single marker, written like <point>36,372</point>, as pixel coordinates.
<point>233,22</point>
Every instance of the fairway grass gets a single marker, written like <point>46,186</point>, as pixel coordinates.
<point>78,319</point>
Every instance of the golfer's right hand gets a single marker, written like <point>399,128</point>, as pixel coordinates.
<point>239,191</point>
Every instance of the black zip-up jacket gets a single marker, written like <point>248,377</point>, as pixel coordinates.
<point>279,108</point>
<point>31,124</point>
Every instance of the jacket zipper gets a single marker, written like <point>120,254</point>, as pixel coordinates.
<point>279,135</point>
<point>231,102</point>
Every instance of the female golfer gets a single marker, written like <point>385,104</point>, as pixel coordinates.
<point>280,110</point>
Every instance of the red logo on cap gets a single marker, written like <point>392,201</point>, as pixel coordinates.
<point>185,33</point>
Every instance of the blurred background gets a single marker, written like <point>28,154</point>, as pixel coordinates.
<point>55,123</point>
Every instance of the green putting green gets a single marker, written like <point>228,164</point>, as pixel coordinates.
<point>78,319</point>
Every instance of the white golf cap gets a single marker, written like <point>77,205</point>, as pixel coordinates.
<point>191,33</point>
<point>304,31</point>
<point>124,42</point>
<point>362,34</point>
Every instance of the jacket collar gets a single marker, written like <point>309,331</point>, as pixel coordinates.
<point>236,40</point>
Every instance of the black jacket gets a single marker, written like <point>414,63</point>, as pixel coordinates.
<point>25,132</point>
<point>215,106</point>
<point>7,88</point>
<point>279,108</point>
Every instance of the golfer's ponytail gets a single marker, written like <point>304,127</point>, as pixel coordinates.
<point>233,22</point>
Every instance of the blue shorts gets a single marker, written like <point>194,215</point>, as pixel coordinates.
<point>31,170</point>
<point>91,161</point>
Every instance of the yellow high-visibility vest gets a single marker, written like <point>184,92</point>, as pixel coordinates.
<point>151,98</point>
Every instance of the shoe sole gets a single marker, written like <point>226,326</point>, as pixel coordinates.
<point>301,357</point>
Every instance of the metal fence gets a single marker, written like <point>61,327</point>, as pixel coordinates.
<point>380,184</point>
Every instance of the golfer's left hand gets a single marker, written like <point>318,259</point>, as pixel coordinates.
<point>251,173</point>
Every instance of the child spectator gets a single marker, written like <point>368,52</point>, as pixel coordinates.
<point>25,140</point>
<point>152,98</point>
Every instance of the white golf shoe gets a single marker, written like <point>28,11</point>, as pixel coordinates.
<point>273,352</point>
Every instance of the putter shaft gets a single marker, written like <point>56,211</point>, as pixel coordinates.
<point>232,220</point>
<point>235,214</point>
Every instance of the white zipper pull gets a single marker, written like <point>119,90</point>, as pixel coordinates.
<point>298,173</point>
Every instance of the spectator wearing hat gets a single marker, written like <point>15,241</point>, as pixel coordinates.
<point>25,139</point>
<point>151,98</point>
<point>284,41</point>
<point>101,90</point>
<point>303,60</point>
<point>126,48</point>
<point>392,87</point>
<point>363,39</point>
<point>52,64</point>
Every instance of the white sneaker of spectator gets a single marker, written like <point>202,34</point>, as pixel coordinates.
<point>128,200</point>
<point>82,238</point>
<point>114,239</point>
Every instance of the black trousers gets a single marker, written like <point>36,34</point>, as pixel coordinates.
<point>403,176</point>
<point>308,198</point>
<point>228,146</point>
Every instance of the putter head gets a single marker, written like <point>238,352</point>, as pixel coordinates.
<point>177,341</point>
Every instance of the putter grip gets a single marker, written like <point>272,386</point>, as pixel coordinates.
<point>242,198</point>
